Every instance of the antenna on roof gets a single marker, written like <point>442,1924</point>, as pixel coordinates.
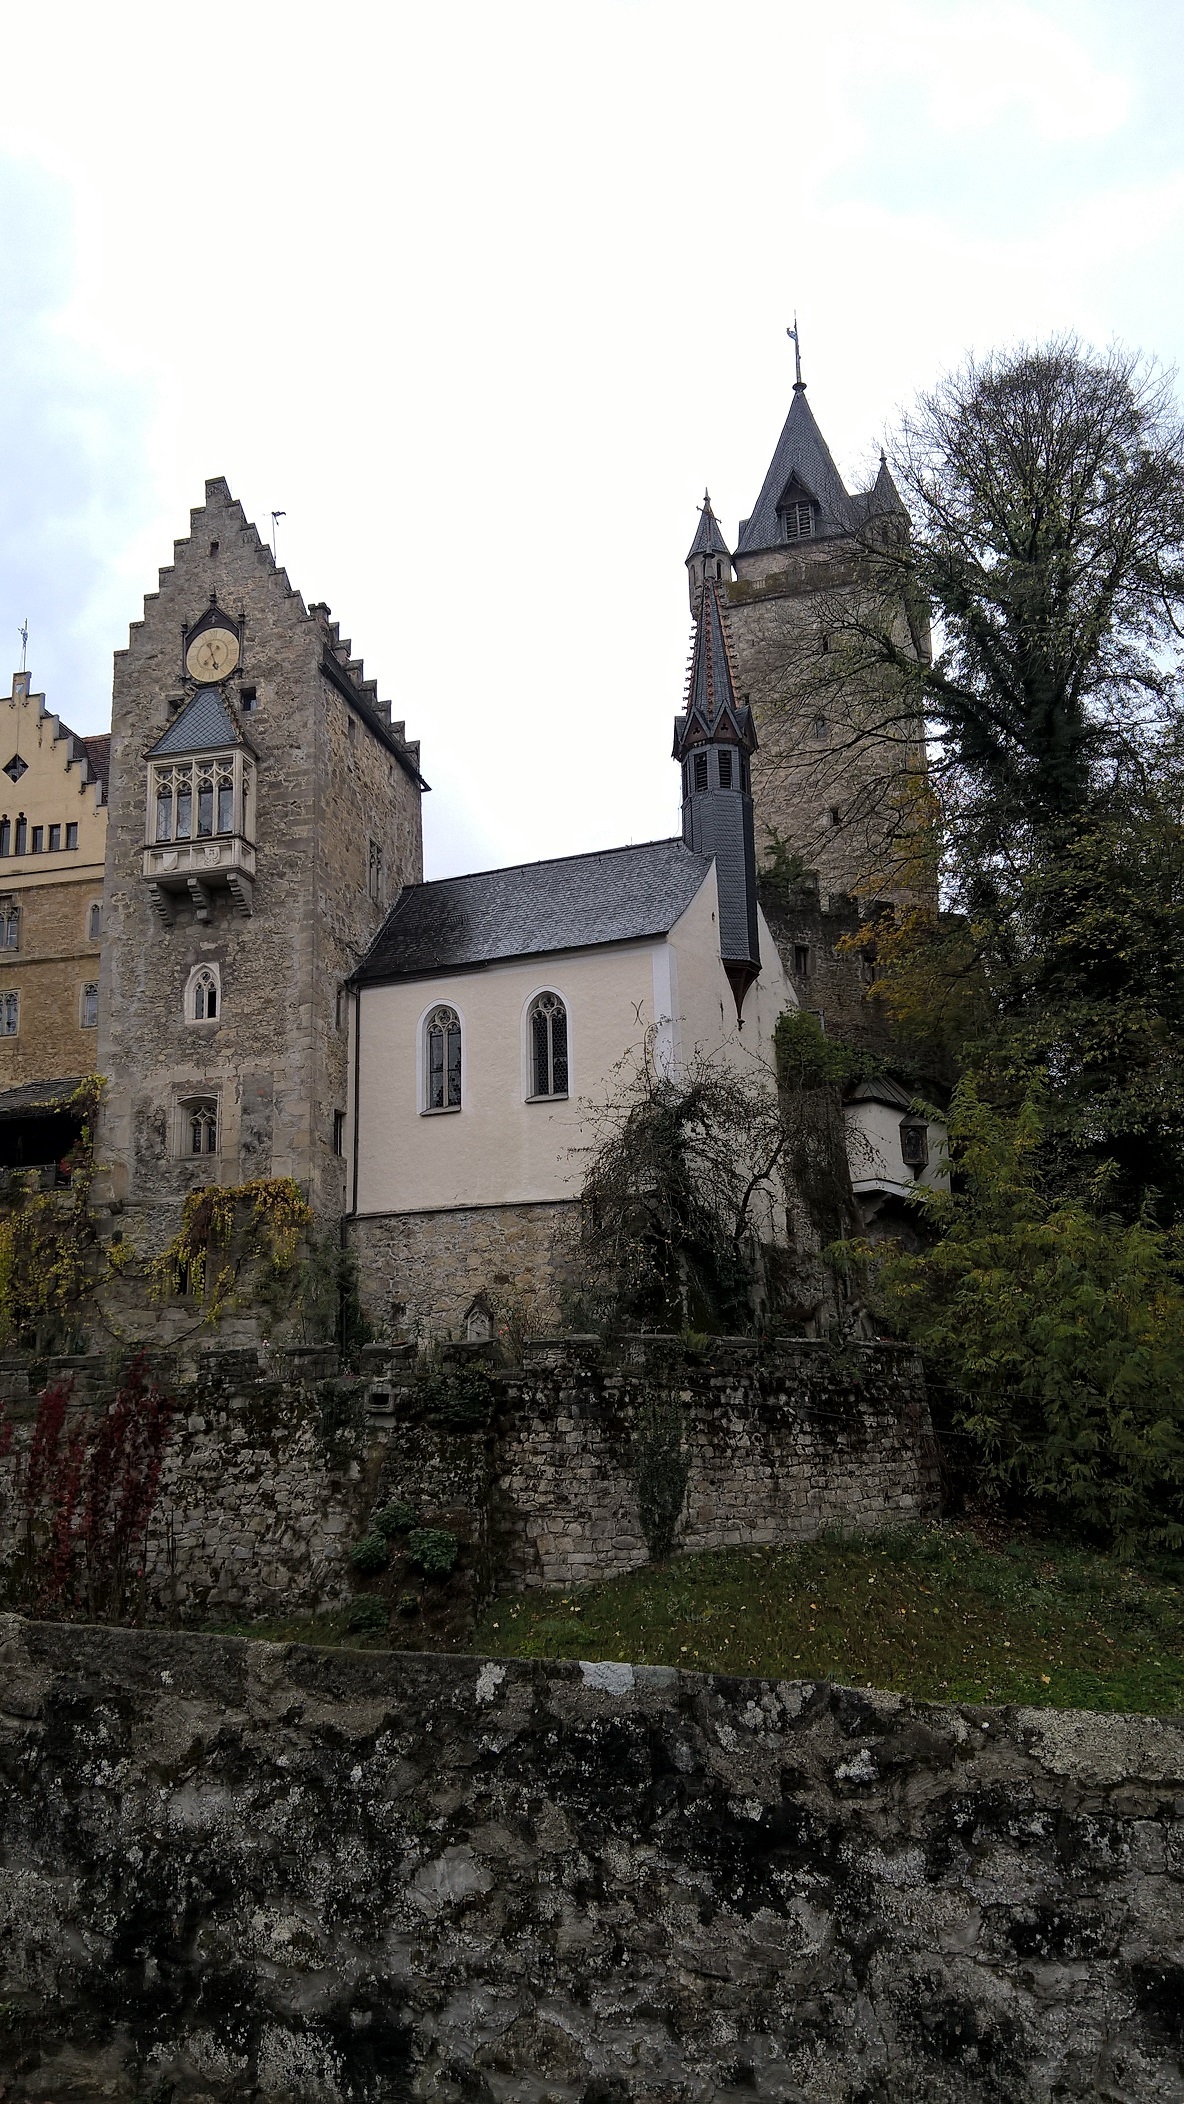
<point>275,517</point>
<point>23,633</point>
<point>798,382</point>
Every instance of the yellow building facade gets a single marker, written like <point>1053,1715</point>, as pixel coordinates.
<point>53,837</point>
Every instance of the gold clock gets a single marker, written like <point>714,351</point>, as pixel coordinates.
<point>212,655</point>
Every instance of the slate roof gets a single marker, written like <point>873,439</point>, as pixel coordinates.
<point>34,1096</point>
<point>708,538</point>
<point>578,902</point>
<point>711,709</point>
<point>881,1090</point>
<point>203,726</point>
<point>801,455</point>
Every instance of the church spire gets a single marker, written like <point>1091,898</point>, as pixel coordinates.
<point>714,739</point>
<point>708,554</point>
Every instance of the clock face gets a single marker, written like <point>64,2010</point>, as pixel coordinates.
<point>212,656</point>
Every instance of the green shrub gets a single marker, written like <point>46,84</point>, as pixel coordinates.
<point>394,1519</point>
<point>370,1556</point>
<point>367,1616</point>
<point>408,1605</point>
<point>461,1400</point>
<point>434,1550</point>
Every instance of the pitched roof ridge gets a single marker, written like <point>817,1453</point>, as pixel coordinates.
<point>590,854</point>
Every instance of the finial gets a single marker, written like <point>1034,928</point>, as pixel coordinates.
<point>883,458</point>
<point>798,382</point>
<point>23,633</point>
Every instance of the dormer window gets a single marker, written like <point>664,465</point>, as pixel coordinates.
<point>797,521</point>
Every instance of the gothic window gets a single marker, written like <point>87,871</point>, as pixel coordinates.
<point>200,1126</point>
<point>10,1014</point>
<point>797,522</point>
<point>10,924</point>
<point>203,996</point>
<point>94,921</point>
<point>548,1046</point>
<point>194,799</point>
<point>725,770</point>
<point>443,1060</point>
<point>89,1006</point>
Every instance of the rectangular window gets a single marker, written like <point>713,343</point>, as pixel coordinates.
<point>5,836</point>
<point>38,839</point>
<point>339,1132</point>
<point>801,959</point>
<point>71,836</point>
<point>725,770</point>
<point>10,1009</point>
<point>22,835</point>
<point>55,840</point>
<point>184,807</point>
<point>205,807</point>
<point>90,1006</point>
<point>225,804</point>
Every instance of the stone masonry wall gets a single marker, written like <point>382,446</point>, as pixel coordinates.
<point>276,1463</point>
<point>234,1871</point>
<point>419,1272</point>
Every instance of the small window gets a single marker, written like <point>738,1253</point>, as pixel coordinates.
<point>201,1127</point>
<point>10,1010</point>
<point>5,836</point>
<point>55,840</point>
<point>725,770</point>
<point>801,960</point>
<point>213,547</point>
<point>443,1060</point>
<point>914,1144</point>
<point>16,767</point>
<point>204,992</point>
<point>548,1047</point>
<point>824,645</point>
<point>700,770</point>
<point>339,1132</point>
<point>89,1012</point>
<point>94,921</point>
<point>821,727</point>
<point>22,835</point>
<point>834,817</point>
<point>248,700</point>
<point>38,840</point>
<point>797,522</point>
<point>351,728</point>
<point>71,836</point>
<point>374,877</point>
<point>719,569</point>
<point>10,925</point>
<point>339,1008</point>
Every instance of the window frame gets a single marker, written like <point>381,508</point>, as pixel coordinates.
<point>10,994</point>
<point>10,922</point>
<point>217,774</point>
<point>530,1094</point>
<point>85,1022</point>
<point>210,975</point>
<point>206,1103</point>
<point>428,1109</point>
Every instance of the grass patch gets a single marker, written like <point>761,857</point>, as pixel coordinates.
<point>934,1611</point>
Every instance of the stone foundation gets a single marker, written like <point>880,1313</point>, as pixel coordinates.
<point>419,1272</point>
<point>233,1870</point>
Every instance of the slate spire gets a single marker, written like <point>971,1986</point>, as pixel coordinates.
<point>713,741</point>
<point>708,555</point>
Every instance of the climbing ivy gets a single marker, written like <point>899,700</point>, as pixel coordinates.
<point>49,1251</point>
<point>224,1230</point>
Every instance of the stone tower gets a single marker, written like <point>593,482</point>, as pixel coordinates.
<point>831,779</point>
<point>263,812</point>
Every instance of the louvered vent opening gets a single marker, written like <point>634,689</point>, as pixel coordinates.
<point>725,770</point>
<point>700,770</point>
<point>797,522</point>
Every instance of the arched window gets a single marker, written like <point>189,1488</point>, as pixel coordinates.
<point>443,1060</point>
<point>203,994</point>
<point>94,921</point>
<point>199,1126</point>
<point>548,1046</point>
<point>88,1006</point>
<point>10,925</point>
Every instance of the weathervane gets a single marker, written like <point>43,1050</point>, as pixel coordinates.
<point>276,516</point>
<point>23,633</point>
<point>797,355</point>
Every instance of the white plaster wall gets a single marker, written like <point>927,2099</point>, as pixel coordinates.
<point>499,1149</point>
<point>873,1150</point>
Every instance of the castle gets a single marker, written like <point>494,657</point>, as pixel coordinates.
<point>281,995</point>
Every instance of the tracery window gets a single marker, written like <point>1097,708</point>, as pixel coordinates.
<point>194,799</point>
<point>548,1046</point>
<point>443,1060</point>
<point>10,924</point>
<point>200,1126</point>
<point>10,1014</point>
<point>204,994</point>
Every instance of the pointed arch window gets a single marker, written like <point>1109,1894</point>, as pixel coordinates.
<point>203,995</point>
<point>548,1046</point>
<point>197,1132</point>
<point>442,1063</point>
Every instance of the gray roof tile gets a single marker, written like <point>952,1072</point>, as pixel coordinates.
<point>204,726</point>
<point>801,454</point>
<point>622,894</point>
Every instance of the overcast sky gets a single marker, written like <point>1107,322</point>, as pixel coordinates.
<point>482,295</point>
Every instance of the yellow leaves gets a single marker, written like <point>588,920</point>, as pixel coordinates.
<point>270,1218</point>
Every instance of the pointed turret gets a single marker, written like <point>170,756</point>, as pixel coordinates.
<point>802,496</point>
<point>713,741</point>
<point>708,555</point>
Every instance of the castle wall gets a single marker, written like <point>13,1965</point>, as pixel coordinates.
<point>329,1877</point>
<point>326,786</point>
<point>419,1271</point>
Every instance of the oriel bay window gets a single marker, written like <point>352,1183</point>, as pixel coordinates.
<point>197,799</point>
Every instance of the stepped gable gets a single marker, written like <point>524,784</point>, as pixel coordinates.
<point>348,675</point>
<point>578,902</point>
